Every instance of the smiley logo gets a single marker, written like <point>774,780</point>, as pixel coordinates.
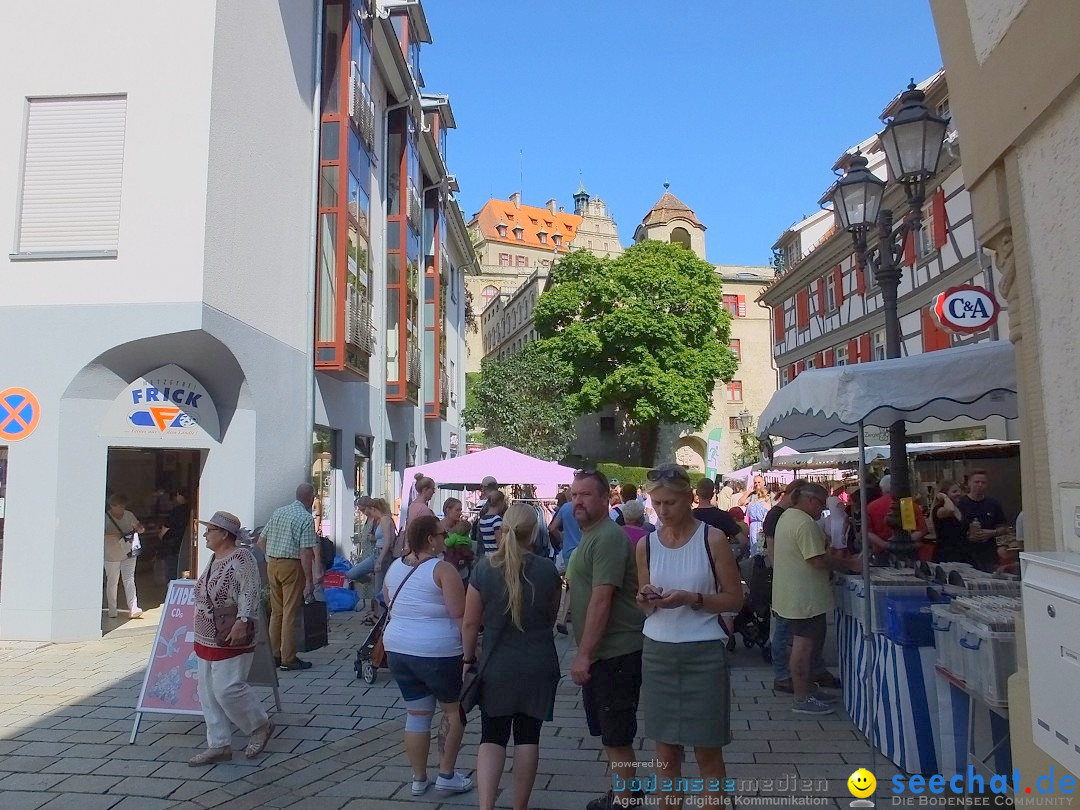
<point>861,783</point>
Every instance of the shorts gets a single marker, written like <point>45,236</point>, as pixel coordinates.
<point>418,677</point>
<point>813,628</point>
<point>611,699</point>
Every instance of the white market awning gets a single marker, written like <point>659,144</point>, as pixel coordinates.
<point>850,455</point>
<point>824,407</point>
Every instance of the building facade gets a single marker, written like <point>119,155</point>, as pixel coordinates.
<point>517,245</point>
<point>828,312</point>
<point>305,321</point>
<point>710,450</point>
<point>1014,69</point>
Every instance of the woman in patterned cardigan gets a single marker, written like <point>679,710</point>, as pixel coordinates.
<point>229,589</point>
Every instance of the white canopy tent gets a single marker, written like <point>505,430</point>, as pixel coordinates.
<point>824,407</point>
<point>850,455</point>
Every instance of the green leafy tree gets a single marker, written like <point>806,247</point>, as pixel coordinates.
<point>746,450</point>
<point>644,332</point>
<point>523,403</point>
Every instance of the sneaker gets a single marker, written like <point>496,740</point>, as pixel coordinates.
<point>420,786</point>
<point>828,681</point>
<point>561,629</point>
<point>783,685</point>
<point>295,665</point>
<point>825,697</point>
<point>136,614</point>
<point>112,614</point>
<point>458,783</point>
<point>811,706</point>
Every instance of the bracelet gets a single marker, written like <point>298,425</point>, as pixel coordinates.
<point>468,661</point>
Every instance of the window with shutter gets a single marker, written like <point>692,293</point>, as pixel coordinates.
<point>940,224</point>
<point>838,284</point>
<point>802,308</point>
<point>73,162</point>
<point>778,324</point>
<point>741,304</point>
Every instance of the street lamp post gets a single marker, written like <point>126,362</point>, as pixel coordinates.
<point>746,419</point>
<point>912,142</point>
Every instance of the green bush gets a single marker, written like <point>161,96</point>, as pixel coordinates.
<point>635,475</point>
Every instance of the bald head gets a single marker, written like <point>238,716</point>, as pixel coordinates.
<point>305,493</point>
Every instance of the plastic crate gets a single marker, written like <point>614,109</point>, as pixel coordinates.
<point>908,620</point>
<point>990,658</point>
<point>945,625</point>
<point>881,594</point>
<point>334,579</point>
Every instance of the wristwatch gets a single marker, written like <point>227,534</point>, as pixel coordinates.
<point>243,619</point>
<point>699,604</point>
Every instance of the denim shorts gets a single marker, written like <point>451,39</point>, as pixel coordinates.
<point>418,677</point>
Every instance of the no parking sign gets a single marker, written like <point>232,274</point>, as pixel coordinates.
<point>19,414</point>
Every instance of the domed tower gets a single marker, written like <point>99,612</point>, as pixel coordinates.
<point>581,200</point>
<point>672,220</point>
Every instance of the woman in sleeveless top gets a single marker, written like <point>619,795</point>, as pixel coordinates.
<point>687,576</point>
<point>376,562</point>
<point>514,594</point>
<point>426,598</point>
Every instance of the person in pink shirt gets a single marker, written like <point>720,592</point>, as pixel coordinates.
<point>633,513</point>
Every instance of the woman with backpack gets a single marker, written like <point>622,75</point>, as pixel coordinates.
<point>514,594</point>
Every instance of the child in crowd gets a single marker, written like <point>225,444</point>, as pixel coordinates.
<point>459,552</point>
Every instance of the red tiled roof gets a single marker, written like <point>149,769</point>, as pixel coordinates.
<point>530,219</point>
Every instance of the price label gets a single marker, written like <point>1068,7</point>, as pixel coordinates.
<point>907,514</point>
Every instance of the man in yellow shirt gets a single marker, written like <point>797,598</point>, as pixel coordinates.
<point>801,591</point>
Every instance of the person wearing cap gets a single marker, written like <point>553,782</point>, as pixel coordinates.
<point>229,586</point>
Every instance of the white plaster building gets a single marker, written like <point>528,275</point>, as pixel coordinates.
<point>212,257</point>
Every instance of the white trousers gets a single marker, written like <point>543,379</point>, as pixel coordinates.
<point>114,571</point>
<point>226,696</point>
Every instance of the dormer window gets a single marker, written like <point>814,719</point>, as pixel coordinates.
<point>501,228</point>
<point>519,233</point>
<point>557,238</point>
<point>542,235</point>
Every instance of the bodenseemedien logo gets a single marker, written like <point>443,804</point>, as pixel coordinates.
<point>861,785</point>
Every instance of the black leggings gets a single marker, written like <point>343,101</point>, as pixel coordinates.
<point>497,729</point>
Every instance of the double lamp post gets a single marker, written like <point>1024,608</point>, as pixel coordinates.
<point>912,140</point>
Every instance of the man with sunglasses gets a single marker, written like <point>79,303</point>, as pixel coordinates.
<point>607,628</point>
<point>802,594</point>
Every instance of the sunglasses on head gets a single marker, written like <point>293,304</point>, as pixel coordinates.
<point>599,476</point>
<point>669,474</point>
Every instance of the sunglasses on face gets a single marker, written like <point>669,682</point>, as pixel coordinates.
<point>668,475</point>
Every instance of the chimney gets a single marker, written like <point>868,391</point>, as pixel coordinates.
<point>552,205</point>
<point>515,198</point>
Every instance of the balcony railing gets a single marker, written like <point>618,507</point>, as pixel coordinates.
<point>359,329</point>
<point>363,111</point>
<point>444,387</point>
<point>416,209</point>
<point>413,370</point>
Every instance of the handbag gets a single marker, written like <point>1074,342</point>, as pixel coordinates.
<point>378,650</point>
<point>471,680</point>
<point>224,619</point>
<point>133,538</point>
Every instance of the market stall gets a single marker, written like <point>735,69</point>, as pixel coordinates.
<point>892,673</point>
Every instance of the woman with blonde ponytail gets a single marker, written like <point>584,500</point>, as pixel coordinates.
<point>514,595</point>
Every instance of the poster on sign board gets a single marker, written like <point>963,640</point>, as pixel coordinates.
<point>171,682</point>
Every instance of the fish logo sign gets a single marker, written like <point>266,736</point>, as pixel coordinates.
<point>167,402</point>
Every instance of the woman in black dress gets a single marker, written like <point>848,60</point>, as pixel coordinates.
<point>514,595</point>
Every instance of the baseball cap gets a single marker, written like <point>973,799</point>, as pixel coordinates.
<point>489,481</point>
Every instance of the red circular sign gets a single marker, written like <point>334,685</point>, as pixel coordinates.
<point>967,309</point>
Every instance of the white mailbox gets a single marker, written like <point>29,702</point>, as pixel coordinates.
<point>1051,592</point>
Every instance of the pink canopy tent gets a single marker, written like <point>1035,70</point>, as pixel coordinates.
<point>504,465</point>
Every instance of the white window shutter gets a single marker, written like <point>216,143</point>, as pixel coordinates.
<point>72,171</point>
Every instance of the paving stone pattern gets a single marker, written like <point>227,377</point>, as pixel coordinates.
<point>66,712</point>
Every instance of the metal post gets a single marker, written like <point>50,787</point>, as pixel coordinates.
<point>888,277</point>
<point>868,636</point>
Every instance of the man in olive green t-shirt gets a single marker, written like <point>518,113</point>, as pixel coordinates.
<point>607,627</point>
<point>801,591</point>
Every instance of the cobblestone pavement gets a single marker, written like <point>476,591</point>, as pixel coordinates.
<point>66,712</point>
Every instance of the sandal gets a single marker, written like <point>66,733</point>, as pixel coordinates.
<point>259,740</point>
<point>370,620</point>
<point>211,756</point>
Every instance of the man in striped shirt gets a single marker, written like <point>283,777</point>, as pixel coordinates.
<point>288,540</point>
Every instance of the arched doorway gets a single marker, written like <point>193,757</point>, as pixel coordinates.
<point>690,453</point>
<point>680,236</point>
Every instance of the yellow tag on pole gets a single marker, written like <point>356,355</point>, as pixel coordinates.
<point>907,514</point>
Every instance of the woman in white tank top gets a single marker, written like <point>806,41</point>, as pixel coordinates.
<point>687,576</point>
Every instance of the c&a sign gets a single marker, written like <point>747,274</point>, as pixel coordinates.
<point>967,309</point>
<point>166,403</point>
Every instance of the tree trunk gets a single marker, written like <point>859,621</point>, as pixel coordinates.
<point>648,439</point>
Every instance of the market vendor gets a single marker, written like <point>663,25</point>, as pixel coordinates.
<point>877,513</point>
<point>984,519</point>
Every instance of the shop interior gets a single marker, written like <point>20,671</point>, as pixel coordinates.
<point>162,489</point>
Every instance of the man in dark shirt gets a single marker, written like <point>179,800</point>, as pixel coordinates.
<point>712,515</point>
<point>978,507</point>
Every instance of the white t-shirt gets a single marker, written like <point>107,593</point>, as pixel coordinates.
<point>419,623</point>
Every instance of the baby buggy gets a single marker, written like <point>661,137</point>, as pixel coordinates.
<point>371,655</point>
<point>752,623</point>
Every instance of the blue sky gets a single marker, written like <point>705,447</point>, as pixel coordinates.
<point>742,106</point>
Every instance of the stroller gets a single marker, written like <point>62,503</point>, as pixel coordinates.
<point>753,620</point>
<point>371,656</point>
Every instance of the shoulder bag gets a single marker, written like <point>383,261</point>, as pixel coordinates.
<point>224,619</point>
<point>708,553</point>
<point>378,651</point>
<point>471,680</point>
<point>127,537</point>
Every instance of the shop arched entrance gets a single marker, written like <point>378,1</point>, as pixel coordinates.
<point>159,407</point>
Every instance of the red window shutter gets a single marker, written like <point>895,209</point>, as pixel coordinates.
<point>741,306</point>
<point>838,284</point>
<point>821,296</point>
<point>802,308</point>
<point>828,358</point>
<point>860,280</point>
<point>800,367</point>
<point>793,371</point>
<point>933,336</point>
<point>940,224</point>
<point>778,323</point>
<point>853,352</point>
<point>864,349</point>
<point>909,250</point>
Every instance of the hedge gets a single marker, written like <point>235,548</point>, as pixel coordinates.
<point>636,475</point>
